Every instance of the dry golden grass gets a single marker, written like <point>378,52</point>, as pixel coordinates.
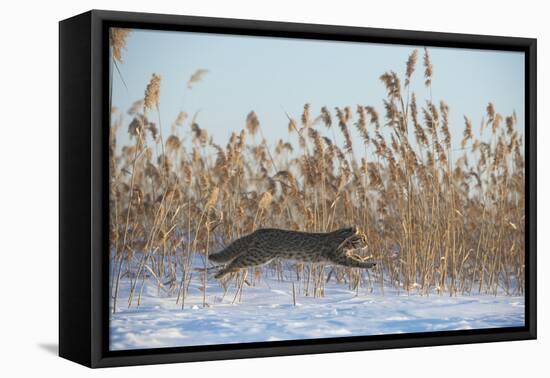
<point>438,219</point>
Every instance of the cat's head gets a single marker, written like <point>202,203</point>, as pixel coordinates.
<point>347,231</point>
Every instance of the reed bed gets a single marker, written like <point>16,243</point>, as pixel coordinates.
<point>439,219</point>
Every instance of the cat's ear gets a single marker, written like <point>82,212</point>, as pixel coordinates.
<point>352,230</point>
<point>344,230</point>
<point>348,230</point>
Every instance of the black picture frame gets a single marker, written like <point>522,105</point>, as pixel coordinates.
<point>83,193</point>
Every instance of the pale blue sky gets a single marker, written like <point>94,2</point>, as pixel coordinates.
<point>268,75</point>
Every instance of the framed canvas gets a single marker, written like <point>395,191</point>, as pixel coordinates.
<point>235,188</point>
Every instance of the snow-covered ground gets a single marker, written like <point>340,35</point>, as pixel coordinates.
<point>266,313</point>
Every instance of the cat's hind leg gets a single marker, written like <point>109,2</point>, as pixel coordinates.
<point>252,257</point>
